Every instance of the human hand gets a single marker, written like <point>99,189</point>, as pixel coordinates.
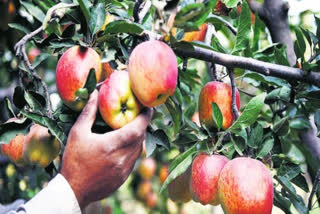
<point>96,165</point>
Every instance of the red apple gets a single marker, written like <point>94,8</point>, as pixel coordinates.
<point>245,187</point>
<point>117,104</point>
<point>106,71</point>
<point>151,200</point>
<point>144,189</point>
<point>163,173</point>
<point>221,94</point>
<point>205,173</point>
<point>14,150</point>
<point>40,147</point>
<point>147,168</point>
<point>153,72</point>
<point>32,54</point>
<point>72,72</point>
<point>178,189</point>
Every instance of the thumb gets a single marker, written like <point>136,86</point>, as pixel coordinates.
<point>88,114</point>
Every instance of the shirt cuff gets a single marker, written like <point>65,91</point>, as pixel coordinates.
<point>58,197</point>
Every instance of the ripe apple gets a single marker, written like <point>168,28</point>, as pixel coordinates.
<point>198,35</point>
<point>245,186</point>
<point>195,118</point>
<point>153,72</point>
<point>178,189</point>
<point>32,54</point>
<point>117,104</point>
<point>163,173</point>
<point>14,150</point>
<point>40,146</point>
<point>205,173</point>
<point>151,200</point>
<point>72,72</point>
<point>147,168</point>
<point>221,94</point>
<point>144,189</point>
<point>106,71</point>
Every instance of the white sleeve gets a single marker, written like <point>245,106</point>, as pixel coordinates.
<point>56,198</point>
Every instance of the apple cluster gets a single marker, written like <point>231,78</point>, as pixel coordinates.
<point>38,147</point>
<point>151,78</point>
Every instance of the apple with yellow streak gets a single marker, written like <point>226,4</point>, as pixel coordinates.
<point>117,104</point>
<point>14,150</point>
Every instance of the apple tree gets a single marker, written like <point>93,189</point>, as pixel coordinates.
<point>250,46</point>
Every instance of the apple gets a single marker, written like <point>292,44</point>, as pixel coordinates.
<point>106,71</point>
<point>14,149</point>
<point>32,54</point>
<point>195,118</point>
<point>40,147</point>
<point>147,168</point>
<point>221,94</point>
<point>163,173</point>
<point>151,200</point>
<point>198,35</point>
<point>117,104</point>
<point>144,189</point>
<point>178,189</point>
<point>205,173</point>
<point>245,186</point>
<point>153,72</point>
<point>72,72</point>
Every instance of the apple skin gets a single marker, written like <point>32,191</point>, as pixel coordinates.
<point>205,173</point>
<point>117,104</point>
<point>32,54</point>
<point>40,148</point>
<point>72,72</point>
<point>147,168</point>
<point>153,72</point>
<point>14,150</point>
<point>163,174</point>
<point>151,200</point>
<point>106,71</point>
<point>245,187</point>
<point>178,189</point>
<point>144,188</point>
<point>221,94</point>
<point>196,35</point>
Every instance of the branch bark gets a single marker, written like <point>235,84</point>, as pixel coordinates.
<point>265,68</point>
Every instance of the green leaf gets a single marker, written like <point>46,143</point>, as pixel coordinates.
<point>249,114</point>
<point>123,26</point>
<point>52,125</point>
<point>19,27</point>
<point>255,136</point>
<point>282,202</point>
<point>299,44</point>
<point>180,168</point>
<point>281,127</point>
<point>150,144</point>
<point>175,113</point>
<point>34,10</point>
<point>264,79</point>
<point>299,123</point>
<point>190,110</point>
<point>301,182</point>
<point>242,38</point>
<point>40,58</point>
<point>216,115</point>
<point>258,27</point>
<point>266,148</point>
<point>231,3</point>
<point>187,16</point>
<point>85,6</point>
<point>97,18</point>
<point>238,144</point>
<point>34,104</point>
<point>91,82</point>
<point>159,137</point>
<point>192,150</point>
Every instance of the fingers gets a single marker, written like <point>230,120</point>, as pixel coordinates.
<point>132,133</point>
<point>88,114</point>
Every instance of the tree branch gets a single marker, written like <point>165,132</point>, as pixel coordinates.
<point>20,49</point>
<point>233,87</point>
<point>314,189</point>
<point>265,68</point>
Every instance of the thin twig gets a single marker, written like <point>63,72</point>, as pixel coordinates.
<point>314,189</point>
<point>246,93</point>
<point>20,49</point>
<point>233,87</point>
